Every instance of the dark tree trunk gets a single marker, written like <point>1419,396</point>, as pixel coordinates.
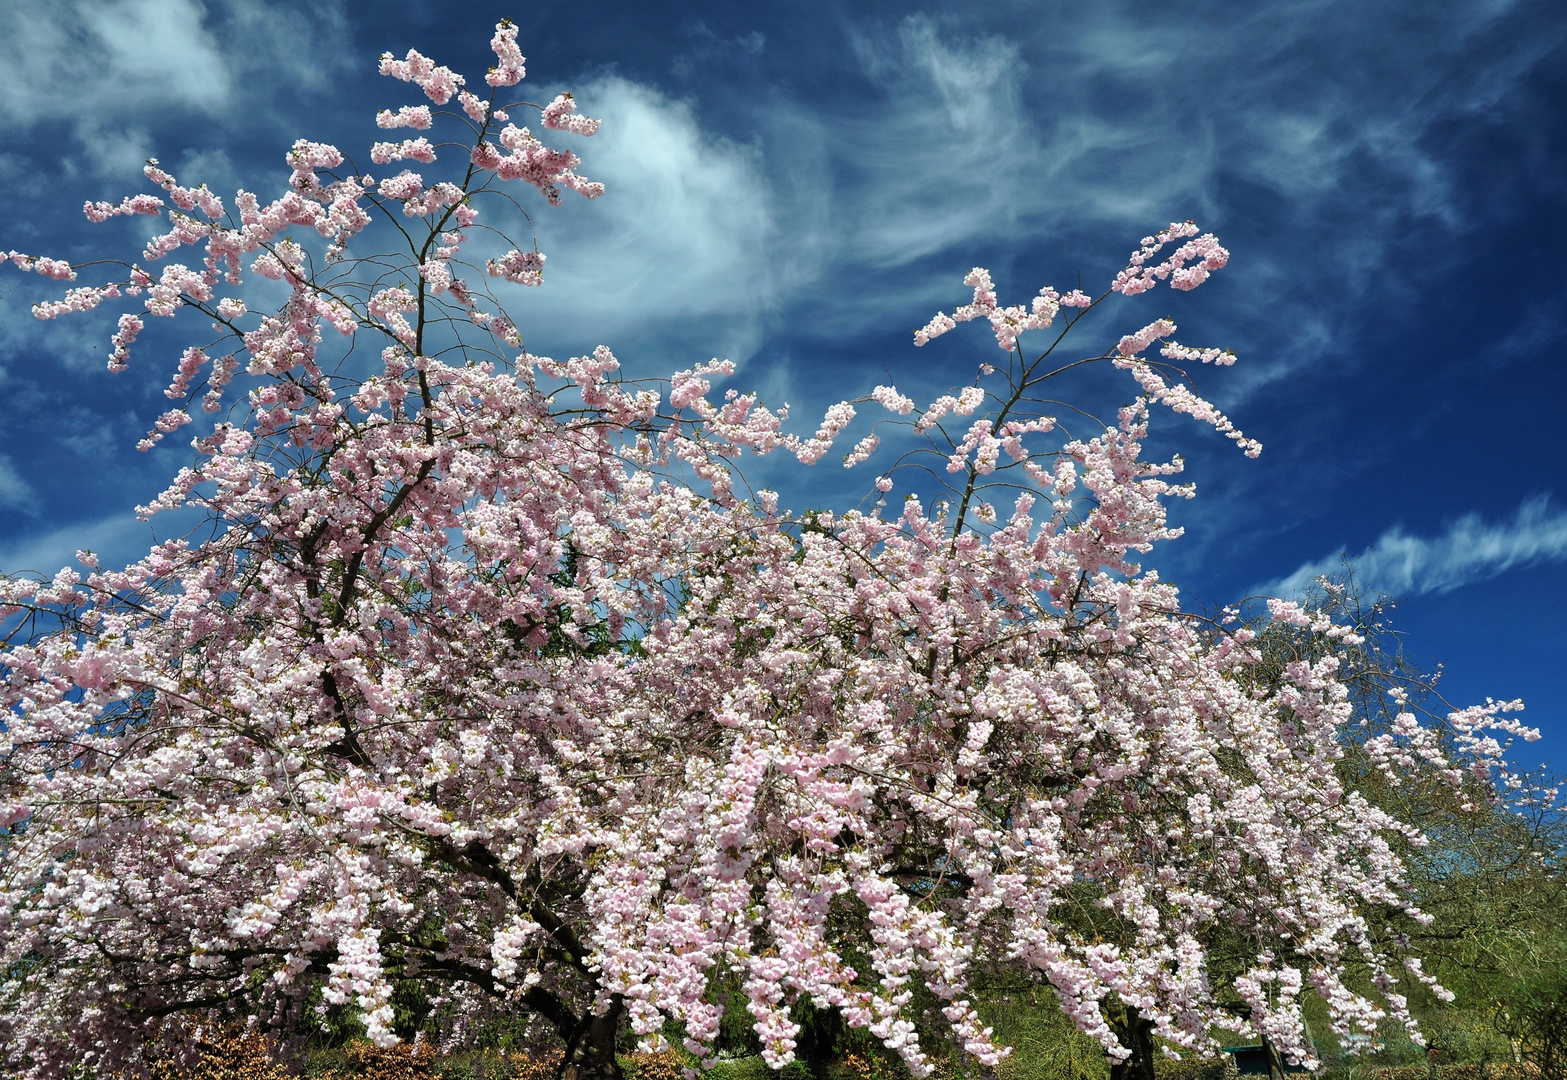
<point>1136,1034</point>
<point>821,1033</point>
<point>590,1052</point>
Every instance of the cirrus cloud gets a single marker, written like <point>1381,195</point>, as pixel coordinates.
<point>1471,550</point>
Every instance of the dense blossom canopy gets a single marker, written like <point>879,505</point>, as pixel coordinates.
<point>493,674</point>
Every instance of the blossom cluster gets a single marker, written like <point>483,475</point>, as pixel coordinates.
<point>1009,323</point>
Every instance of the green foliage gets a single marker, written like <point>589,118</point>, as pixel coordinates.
<point>1534,1016</point>
<point>456,1068</point>
<point>1045,1044</point>
<point>745,1068</point>
<point>823,1036</point>
<point>736,1030</point>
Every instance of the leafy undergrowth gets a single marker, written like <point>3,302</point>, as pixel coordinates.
<point>1042,1053</point>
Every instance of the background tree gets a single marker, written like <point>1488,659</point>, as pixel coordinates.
<point>1487,868</point>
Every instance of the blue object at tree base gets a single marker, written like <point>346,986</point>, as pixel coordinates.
<point>1253,1061</point>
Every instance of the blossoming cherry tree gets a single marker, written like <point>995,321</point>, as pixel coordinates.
<point>491,675</point>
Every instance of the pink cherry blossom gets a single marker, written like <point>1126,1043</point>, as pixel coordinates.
<point>438,83</point>
<point>414,149</point>
<point>561,115</point>
<point>521,267</point>
<point>414,116</point>
<point>509,70</point>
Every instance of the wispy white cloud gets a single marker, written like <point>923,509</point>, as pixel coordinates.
<point>118,538</point>
<point>268,42</point>
<point>1036,139</point>
<point>686,230</point>
<point>964,148</point>
<point>15,492</point>
<point>708,46</point>
<point>78,345</point>
<point>940,164</point>
<point>96,65</point>
<point>1469,551</point>
<point>62,60</point>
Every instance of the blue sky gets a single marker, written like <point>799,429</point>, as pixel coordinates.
<point>797,185</point>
